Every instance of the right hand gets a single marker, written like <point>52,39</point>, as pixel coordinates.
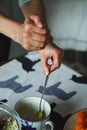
<point>53,53</point>
<point>30,36</point>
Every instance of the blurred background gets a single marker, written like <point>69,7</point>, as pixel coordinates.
<point>67,20</point>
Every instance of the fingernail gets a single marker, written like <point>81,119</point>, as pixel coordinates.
<point>46,73</point>
<point>40,25</point>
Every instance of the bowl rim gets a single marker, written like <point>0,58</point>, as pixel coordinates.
<point>26,97</point>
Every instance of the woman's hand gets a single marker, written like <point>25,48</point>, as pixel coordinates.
<point>31,36</point>
<point>54,54</point>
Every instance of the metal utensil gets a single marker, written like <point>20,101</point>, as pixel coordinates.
<point>40,112</point>
<point>43,91</point>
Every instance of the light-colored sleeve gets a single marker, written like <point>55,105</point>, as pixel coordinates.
<point>21,2</point>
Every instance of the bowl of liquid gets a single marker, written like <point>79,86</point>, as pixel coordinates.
<point>30,114</point>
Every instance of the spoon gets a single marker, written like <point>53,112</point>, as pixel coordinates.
<point>40,113</point>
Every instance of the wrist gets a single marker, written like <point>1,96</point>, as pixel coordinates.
<point>15,31</point>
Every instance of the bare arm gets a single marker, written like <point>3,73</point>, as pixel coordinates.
<point>26,34</point>
<point>8,27</point>
<point>50,51</point>
<point>35,7</point>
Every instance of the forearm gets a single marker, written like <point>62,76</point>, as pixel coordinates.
<point>25,33</point>
<point>8,27</point>
<point>35,7</point>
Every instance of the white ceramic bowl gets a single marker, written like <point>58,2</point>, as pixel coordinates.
<point>29,106</point>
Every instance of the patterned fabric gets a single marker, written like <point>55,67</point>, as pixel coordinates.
<point>66,89</point>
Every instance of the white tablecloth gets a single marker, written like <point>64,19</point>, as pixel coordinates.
<point>66,89</point>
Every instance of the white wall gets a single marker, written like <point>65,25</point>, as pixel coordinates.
<point>68,22</point>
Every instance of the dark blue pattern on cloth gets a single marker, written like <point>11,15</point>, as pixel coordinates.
<point>58,92</point>
<point>51,90</point>
<point>15,86</point>
<point>80,79</point>
<point>27,64</point>
<point>4,100</point>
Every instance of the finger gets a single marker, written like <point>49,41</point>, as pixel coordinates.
<point>31,28</point>
<point>30,47</point>
<point>38,37</point>
<point>36,20</point>
<point>34,36</point>
<point>39,30</point>
<point>56,62</point>
<point>28,41</point>
<point>54,67</point>
<point>45,66</point>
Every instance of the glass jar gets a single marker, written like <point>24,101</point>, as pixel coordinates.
<point>9,118</point>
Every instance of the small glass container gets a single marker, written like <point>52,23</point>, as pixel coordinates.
<point>9,118</point>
